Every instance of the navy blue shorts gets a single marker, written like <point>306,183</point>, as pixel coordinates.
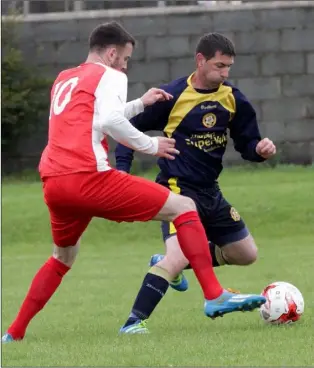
<point>222,222</point>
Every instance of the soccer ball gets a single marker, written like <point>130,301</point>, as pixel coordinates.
<point>284,304</point>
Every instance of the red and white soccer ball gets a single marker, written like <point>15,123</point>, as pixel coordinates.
<point>284,304</point>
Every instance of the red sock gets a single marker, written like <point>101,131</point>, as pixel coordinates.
<point>194,245</point>
<point>43,286</point>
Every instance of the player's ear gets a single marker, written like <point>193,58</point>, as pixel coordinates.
<point>112,53</point>
<point>115,51</point>
<point>200,60</point>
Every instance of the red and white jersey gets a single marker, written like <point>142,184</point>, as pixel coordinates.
<point>87,104</point>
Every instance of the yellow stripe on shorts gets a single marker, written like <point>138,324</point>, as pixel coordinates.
<point>173,186</point>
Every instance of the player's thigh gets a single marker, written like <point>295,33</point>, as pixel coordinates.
<point>241,252</point>
<point>226,228</point>
<point>122,197</point>
<point>175,206</point>
<point>67,227</point>
<point>68,218</point>
<point>184,194</point>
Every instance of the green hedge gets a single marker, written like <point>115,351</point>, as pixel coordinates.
<point>25,94</point>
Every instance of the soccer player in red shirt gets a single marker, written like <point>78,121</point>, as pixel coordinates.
<point>88,103</point>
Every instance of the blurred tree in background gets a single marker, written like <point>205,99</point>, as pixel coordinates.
<point>25,94</point>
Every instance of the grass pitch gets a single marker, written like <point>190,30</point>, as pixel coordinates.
<point>79,325</point>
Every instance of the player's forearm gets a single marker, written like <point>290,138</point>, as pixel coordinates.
<point>133,108</point>
<point>122,131</point>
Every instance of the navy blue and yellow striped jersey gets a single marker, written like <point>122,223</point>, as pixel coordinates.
<point>198,120</point>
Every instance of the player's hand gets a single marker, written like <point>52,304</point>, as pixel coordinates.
<point>154,95</point>
<point>166,148</point>
<point>266,148</point>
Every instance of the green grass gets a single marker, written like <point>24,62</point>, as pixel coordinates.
<point>79,326</point>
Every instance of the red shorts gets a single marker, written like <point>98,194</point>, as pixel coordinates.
<point>74,199</point>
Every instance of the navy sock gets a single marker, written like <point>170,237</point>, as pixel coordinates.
<point>153,289</point>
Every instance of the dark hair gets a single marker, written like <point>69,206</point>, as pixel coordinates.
<point>210,43</point>
<point>107,34</point>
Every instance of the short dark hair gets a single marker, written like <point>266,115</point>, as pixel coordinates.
<point>107,34</point>
<point>210,43</point>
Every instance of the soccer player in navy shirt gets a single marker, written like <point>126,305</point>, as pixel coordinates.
<point>204,107</point>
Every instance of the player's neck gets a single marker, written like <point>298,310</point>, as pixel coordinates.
<point>199,83</point>
<point>95,58</point>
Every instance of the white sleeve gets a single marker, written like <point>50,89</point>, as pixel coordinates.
<point>133,108</point>
<point>110,106</point>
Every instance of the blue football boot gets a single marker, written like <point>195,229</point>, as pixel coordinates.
<point>6,338</point>
<point>229,302</point>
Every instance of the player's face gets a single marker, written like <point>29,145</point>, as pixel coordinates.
<point>121,57</point>
<point>215,70</point>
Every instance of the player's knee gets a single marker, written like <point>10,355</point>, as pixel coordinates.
<point>241,253</point>
<point>175,206</point>
<point>250,257</point>
<point>185,204</point>
<point>252,252</point>
<point>66,255</point>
